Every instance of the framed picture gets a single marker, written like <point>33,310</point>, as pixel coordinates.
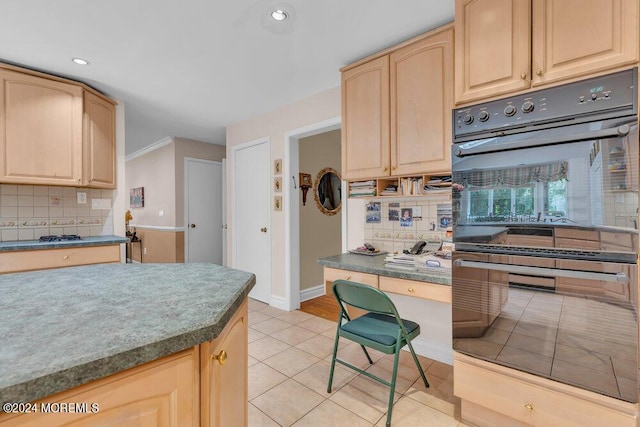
<point>277,184</point>
<point>305,180</point>
<point>136,197</point>
<point>277,203</point>
<point>277,167</point>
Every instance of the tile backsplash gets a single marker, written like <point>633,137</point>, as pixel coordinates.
<point>430,216</point>
<point>28,212</point>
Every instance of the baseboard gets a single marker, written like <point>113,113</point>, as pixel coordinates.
<point>311,293</point>
<point>279,302</point>
<point>433,350</point>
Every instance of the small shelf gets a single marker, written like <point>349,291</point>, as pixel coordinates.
<point>407,186</point>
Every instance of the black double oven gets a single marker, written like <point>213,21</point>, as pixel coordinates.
<point>545,226</point>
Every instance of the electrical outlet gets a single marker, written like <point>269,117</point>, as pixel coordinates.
<point>82,198</point>
<point>161,213</point>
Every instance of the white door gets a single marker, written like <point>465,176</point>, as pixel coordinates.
<point>250,228</point>
<point>203,211</point>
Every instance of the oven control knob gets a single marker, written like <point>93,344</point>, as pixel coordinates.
<point>483,116</point>
<point>509,110</point>
<point>468,119</point>
<point>527,107</point>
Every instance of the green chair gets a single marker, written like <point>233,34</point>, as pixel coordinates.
<point>381,329</point>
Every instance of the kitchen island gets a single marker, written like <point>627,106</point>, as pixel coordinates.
<point>66,327</point>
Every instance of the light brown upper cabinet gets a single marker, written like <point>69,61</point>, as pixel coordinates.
<point>99,142</point>
<point>504,46</point>
<point>40,130</point>
<point>421,101</point>
<point>365,120</point>
<point>54,132</point>
<point>396,109</point>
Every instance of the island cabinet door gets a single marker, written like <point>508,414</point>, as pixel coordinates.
<point>159,393</point>
<point>224,370</point>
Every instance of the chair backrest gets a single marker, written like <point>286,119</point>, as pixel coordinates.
<point>364,297</point>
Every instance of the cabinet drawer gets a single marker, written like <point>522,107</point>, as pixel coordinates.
<point>562,242</point>
<point>535,401</point>
<point>617,241</point>
<point>54,258</point>
<point>412,288</point>
<point>573,233</point>
<point>332,274</point>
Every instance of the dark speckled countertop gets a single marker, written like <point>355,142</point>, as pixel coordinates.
<point>375,265</point>
<point>65,327</point>
<point>30,245</point>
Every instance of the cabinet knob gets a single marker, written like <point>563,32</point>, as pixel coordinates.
<point>220,357</point>
<point>529,406</point>
<point>523,76</point>
<point>65,257</point>
<point>411,290</point>
<point>347,278</point>
<point>263,229</point>
<point>78,180</point>
<point>539,72</point>
<point>192,225</point>
<point>385,169</point>
<point>393,168</point>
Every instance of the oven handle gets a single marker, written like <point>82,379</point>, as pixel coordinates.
<point>616,132</point>
<point>542,271</point>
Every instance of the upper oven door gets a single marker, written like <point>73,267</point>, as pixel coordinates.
<point>570,188</point>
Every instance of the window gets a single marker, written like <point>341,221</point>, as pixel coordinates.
<point>555,198</point>
<point>506,203</point>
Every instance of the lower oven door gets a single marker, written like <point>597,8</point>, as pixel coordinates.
<point>581,330</point>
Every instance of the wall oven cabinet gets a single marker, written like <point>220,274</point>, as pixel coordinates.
<point>545,223</point>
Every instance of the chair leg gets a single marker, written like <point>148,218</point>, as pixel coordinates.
<point>366,353</point>
<point>415,359</point>
<point>333,360</point>
<point>396,357</point>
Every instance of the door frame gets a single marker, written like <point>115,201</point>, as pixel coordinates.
<point>292,206</point>
<point>186,201</point>
<point>234,244</point>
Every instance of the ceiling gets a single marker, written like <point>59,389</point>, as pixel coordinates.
<point>190,68</point>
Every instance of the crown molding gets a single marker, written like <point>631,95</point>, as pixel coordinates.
<point>149,148</point>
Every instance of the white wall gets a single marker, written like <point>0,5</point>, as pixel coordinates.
<point>315,109</point>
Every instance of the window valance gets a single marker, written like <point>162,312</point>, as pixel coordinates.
<point>512,177</point>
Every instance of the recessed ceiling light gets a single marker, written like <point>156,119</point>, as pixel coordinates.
<point>279,14</point>
<point>80,61</point>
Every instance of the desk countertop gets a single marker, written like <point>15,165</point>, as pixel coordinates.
<point>375,265</point>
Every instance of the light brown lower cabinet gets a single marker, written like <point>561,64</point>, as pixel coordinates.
<point>41,259</point>
<point>159,393</point>
<point>224,375</point>
<point>195,387</point>
<point>494,396</point>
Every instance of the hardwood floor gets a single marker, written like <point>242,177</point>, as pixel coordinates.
<point>324,306</point>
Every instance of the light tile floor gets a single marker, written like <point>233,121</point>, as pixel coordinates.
<point>289,360</point>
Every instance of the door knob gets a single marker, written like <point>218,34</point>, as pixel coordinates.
<point>263,229</point>
<point>192,226</point>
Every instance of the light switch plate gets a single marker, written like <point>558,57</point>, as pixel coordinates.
<point>82,198</point>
